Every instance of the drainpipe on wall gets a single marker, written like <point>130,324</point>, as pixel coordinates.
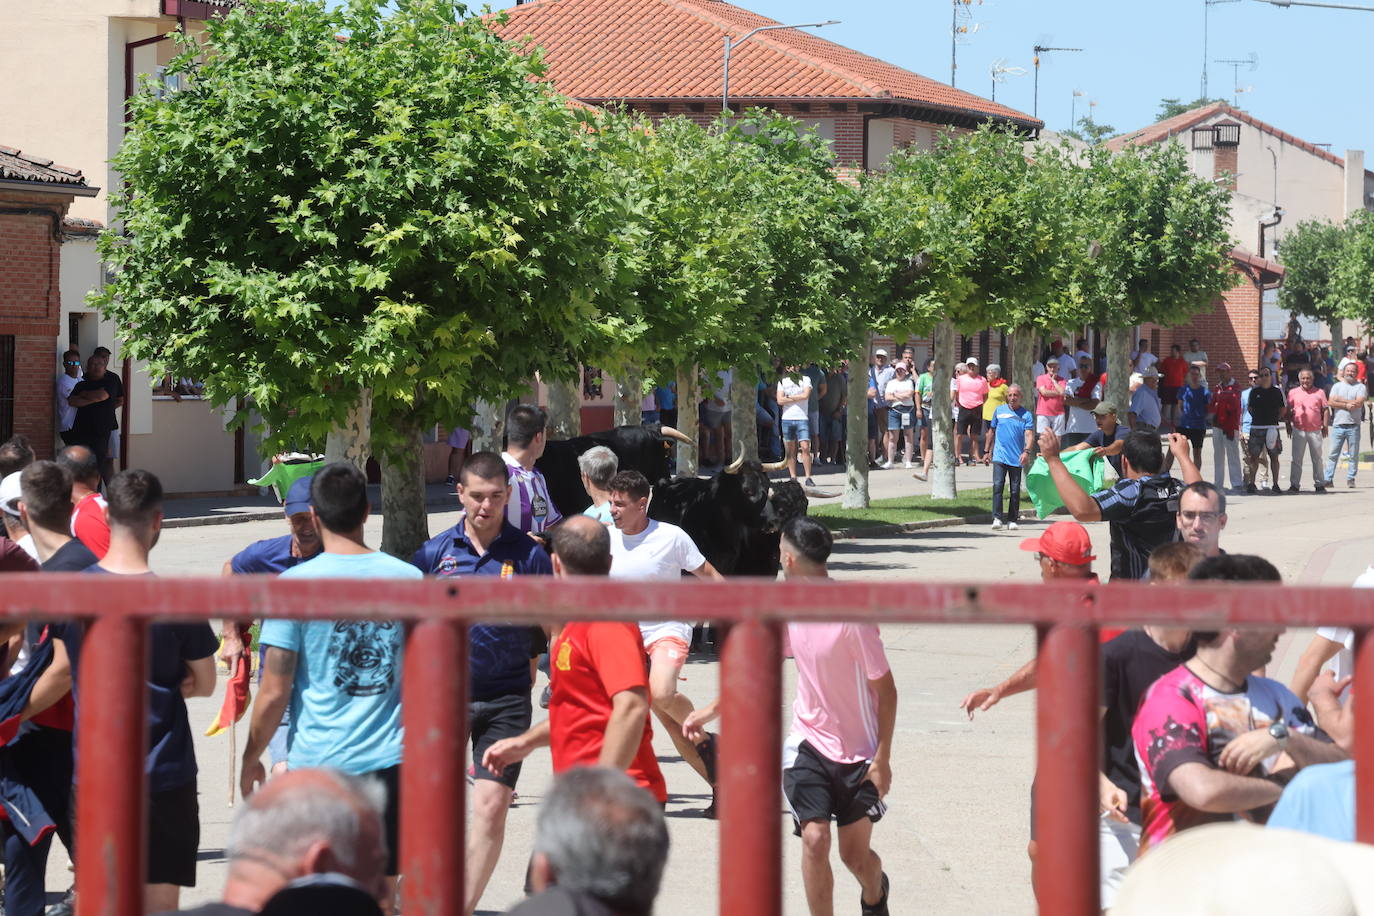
<point>1264,225</point>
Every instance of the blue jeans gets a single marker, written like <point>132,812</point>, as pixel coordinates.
<point>1003,474</point>
<point>1340,437</point>
<point>795,430</point>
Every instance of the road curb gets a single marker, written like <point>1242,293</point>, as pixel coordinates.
<point>267,515</point>
<point>877,531</point>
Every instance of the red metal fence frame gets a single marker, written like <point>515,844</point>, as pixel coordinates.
<point>113,717</point>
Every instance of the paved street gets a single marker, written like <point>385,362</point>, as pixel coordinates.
<point>957,827</point>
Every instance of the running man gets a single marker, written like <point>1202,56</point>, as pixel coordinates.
<point>645,548</point>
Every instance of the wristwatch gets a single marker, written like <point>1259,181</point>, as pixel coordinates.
<point>1278,730</point>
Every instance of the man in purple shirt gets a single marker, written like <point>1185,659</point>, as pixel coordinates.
<point>530,508</point>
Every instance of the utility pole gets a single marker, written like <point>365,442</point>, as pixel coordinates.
<point>1206,10</point>
<point>1038,50</point>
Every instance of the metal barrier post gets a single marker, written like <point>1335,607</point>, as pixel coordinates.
<point>433,804</point>
<point>1364,738</point>
<point>112,744</point>
<point>1067,760</point>
<point>751,771</point>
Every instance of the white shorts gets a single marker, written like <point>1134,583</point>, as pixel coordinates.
<point>1043,423</point>
<point>1118,844</point>
<point>114,444</point>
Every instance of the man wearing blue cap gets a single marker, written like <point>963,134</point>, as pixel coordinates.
<point>273,556</point>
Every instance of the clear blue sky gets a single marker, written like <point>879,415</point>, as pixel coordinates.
<point>1312,79</point>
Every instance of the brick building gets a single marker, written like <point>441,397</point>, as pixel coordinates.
<point>34,197</point>
<point>666,57</point>
<point>1277,180</point>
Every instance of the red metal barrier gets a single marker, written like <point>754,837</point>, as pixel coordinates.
<point>110,812</point>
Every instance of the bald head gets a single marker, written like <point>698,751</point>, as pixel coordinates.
<point>81,463</point>
<point>581,547</point>
<point>304,822</point>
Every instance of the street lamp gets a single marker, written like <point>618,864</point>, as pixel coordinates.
<point>731,44</point>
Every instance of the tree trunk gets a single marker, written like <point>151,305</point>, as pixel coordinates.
<point>856,429</point>
<point>488,427</point>
<point>1118,392</point>
<point>744,415</point>
<point>942,484</point>
<point>565,409</point>
<point>352,442</point>
<point>688,396</point>
<point>1022,359</point>
<point>405,523</point>
<point>629,397</point>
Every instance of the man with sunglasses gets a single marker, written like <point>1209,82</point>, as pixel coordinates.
<point>66,413</point>
<point>1267,410</point>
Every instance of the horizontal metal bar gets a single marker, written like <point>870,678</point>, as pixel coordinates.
<point>543,598</point>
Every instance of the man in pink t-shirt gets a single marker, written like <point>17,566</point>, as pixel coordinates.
<point>1049,399</point>
<point>836,760</point>
<point>972,390</point>
<point>1307,425</point>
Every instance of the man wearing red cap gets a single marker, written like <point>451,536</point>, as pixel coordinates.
<point>1063,551</point>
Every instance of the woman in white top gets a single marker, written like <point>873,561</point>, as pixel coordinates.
<point>901,398</point>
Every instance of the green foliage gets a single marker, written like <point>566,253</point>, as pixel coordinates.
<point>405,209</point>
<point>1312,254</point>
<point>977,232</point>
<point>1353,278</point>
<point>1090,132</point>
<point>1160,237</point>
<point>1168,108</point>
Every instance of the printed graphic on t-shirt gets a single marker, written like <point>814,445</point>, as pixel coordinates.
<point>365,657</point>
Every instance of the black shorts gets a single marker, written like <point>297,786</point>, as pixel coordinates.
<point>1256,444</point>
<point>970,421</point>
<point>817,789</point>
<point>173,835</point>
<point>390,778</point>
<point>490,721</point>
<point>1195,436</point>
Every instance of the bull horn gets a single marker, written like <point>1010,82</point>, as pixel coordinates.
<point>734,466</point>
<point>776,465</point>
<point>670,433</point>
<point>816,493</point>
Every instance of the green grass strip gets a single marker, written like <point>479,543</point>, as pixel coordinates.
<point>902,509</point>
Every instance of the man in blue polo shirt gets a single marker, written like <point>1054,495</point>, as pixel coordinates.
<point>272,557</point>
<point>483,543</point>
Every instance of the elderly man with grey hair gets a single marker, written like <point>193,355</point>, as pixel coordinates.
<point>598,465</point>
<point>300,826</point>
<point>600,846</point>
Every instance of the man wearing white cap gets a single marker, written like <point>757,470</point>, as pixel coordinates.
<point>879,374</point>
<point>1145,410</point>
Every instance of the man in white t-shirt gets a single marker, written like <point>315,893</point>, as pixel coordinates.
<point>1142,358</point>
<point>1335,645</point>
<point>794,393</point>
<point>645,548</point>
<point>1080,398</point>
<point>71,374</point>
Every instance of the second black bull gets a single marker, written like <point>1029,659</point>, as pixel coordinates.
<point>734,518</point>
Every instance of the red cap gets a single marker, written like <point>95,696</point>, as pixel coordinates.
<point>1064,542</point>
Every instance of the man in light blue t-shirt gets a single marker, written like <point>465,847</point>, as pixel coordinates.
<point>343,678</point>
<point>1012,426</point>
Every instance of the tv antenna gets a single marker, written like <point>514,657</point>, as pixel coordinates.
<point>1206,14</point>
<point>1037,51</point>
<point>1000,71</point>
<point>961,26</point>
<point>1250,63</point>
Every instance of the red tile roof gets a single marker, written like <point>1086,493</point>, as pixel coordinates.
<point>20,166</point>
<point>1169,127</point>
<point>1263,269</point>
<point>599,50</point>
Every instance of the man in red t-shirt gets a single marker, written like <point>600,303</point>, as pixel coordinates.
<point>88,518</point>
<point>1174,369</point>
<point>599,706</point>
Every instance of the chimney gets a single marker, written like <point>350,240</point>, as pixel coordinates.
<point>1224,156</point>
<point>1354,181</point>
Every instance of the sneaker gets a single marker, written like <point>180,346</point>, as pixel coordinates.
<point>1350,483</point>
<point>1292,488</point>
<point>1320,489</point>
<point>921,475</point>
<point>1251,488</point>
<point>875,909</point>
<point>1012,526</point>
<point>997,524</point>
<point>809,482</point>
<point>907,465</point>
<point>546,697</point>
<point>1278,489</point>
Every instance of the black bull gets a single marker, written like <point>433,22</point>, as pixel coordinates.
<point>734,518</point>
